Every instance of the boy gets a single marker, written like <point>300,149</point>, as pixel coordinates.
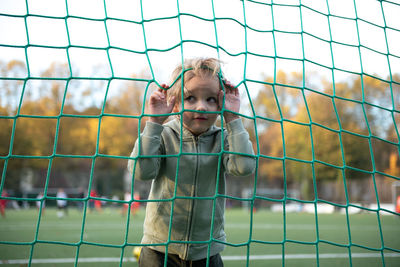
<point>187,168</point>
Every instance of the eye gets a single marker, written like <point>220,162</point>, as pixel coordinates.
<point>189,98</point>
<point>212,100</point>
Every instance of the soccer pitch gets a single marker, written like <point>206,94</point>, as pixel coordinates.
<point>58,240</point>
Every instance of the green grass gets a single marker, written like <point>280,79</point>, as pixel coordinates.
<point>105,234</point>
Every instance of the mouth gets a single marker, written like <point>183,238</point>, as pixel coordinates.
<point>201,118</point>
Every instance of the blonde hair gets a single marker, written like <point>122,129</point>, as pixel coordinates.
<point>202,67</point>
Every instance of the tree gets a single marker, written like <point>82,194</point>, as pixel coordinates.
<point>11,85</point>
<point>51,122</point>
<point>325,131</point>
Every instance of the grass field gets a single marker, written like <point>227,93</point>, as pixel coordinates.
<point>300,240</point>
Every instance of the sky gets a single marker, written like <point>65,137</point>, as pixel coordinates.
<point>60,30</point>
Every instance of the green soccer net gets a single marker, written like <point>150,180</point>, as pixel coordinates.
<point>320,90</point>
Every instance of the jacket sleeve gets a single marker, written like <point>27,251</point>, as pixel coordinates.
<point>148,144</point>
<point>237,141</point>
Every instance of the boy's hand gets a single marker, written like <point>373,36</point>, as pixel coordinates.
<point>232,101</point>
<point>158,104</point>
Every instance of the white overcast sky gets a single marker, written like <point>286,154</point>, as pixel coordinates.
<point>43,23</point>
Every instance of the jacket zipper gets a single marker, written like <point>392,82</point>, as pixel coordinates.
<point>196,139</point>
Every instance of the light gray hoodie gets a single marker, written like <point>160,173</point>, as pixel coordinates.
<point>189,181</point>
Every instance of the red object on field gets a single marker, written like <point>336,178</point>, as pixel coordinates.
<point>398,204</point>
<point>135,205</point>
<point>97,203</point>
<point>3,203</point>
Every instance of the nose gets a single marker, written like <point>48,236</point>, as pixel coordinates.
<point>201,106</point>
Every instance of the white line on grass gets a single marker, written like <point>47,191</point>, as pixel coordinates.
<point>225,258</point>
<point>310,256</point>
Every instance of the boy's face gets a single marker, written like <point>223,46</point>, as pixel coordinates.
<point>201,95</point>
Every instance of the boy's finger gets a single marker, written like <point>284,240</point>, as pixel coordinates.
<point>220,98</point>
<point>236,91</point>
<point>162,89</point>
<point>230,90</point>
<point>164,86</point>
<point>228,84</point>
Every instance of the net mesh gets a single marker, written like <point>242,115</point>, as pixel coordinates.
<point>302,36</point>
